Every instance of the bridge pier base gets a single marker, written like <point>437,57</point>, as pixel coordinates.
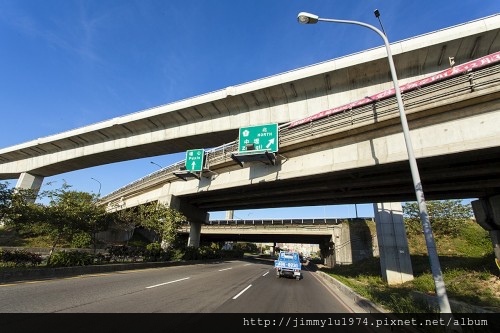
<point>195,216</point>
<point>395,259</point>
<point>29,181</point>
<point>487,213</point>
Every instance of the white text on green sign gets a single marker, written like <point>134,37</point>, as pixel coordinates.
<point>194,159</point>
<point>259,138</point>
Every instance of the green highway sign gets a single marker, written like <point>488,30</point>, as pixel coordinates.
<point>194,159</point>
<point>258,138</point>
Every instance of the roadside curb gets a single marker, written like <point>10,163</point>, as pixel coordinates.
<point>364,303</point>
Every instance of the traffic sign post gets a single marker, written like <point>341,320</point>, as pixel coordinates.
<point>258,139</point>
<point>194,159</point>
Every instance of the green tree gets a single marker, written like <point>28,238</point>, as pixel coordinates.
<point>23,212</point>
<point>6,194</point>
<point>446,217</point>
<point>163,220</point>
<point>70,213</point>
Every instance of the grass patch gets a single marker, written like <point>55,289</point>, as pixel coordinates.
<point>370,285</point>
<point>10,237</point>
<point>467,262</point>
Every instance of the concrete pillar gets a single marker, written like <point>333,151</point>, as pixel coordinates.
<point>328,250</point>
<point>194,235</point>
<point>330,259</point>
<point>229,214</point>
<point>341,238</point>
<point>29,181</point>
<point>195,216</point>
<point>353,242</point>
<point>395,259</point>
<point>487,213</point>
<point>495,241</point>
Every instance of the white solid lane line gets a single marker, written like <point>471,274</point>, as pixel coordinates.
<point>241,292</point>
<point>162,284</point>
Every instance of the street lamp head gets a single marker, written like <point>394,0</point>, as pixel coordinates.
<point>307,18</point>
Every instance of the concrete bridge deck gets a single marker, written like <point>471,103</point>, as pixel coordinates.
<point>213,119</point>
<point>457,147</point>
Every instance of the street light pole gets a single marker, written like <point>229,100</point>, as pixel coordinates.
<point>444,305</point>
<point>156,164</point>
<point>99,184</point>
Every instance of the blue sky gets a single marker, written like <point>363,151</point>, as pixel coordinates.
<point>70,63</point>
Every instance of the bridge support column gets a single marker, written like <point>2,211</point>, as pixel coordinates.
<point>29,181</point>
<point>194,235</point>
<point>395,259</point>
<point>487,213</point>
<point>195,216</point>
<point>353,242</point>
<point>328,253</point>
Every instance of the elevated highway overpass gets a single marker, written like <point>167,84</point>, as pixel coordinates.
<point>340,137</point>
<point>213,119</point>
<point>307,231</point>
<point>357,155</point>
<point>349,240</point>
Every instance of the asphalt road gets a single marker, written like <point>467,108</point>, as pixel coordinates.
<point>223,287</point>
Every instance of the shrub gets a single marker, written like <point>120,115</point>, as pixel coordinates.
<point>209,252</point>
<point>100,258</point>
<point>176,254</point>
<point>191,253</point>
<point>20,258</point>
<point>71,258</point>
<point>206,252</point>
<point>246,247</point>
<point>81,240</point>
<point>154,252</point>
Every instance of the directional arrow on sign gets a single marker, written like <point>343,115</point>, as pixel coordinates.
<point>261,138</point>
<point>270,142</point>
<point>194,160</point>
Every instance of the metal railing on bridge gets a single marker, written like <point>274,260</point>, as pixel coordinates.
<point>313,221</point>
<point>278,222</point>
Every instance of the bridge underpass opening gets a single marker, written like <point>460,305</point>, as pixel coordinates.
<point>341,241</point>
